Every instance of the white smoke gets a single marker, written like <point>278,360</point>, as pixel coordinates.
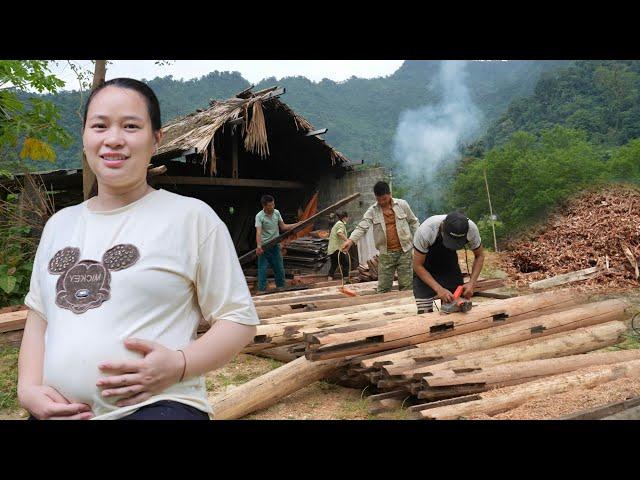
<point>427,139</point>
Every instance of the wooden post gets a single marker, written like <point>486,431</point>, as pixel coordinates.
<point>269,388</point>
<point>235,138</point>
<point>88,177</point>
<point>486,184</point>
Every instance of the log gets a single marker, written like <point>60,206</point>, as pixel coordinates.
<point>249,256</point>
<point>423,328</point>
<point>272,335</point>
<point>11,338</point>
<point>556,362</point>
<point>12,321</point>
<point>358,287</point>
<point>629,414</point>
<point>481,340</point>
<point>598,413</point>
<point>282,354</point>
<point>269,388</point>
<point>395,300</point>
<point>603,312</point>
<point>271,311</point>
<point>576,276</point>
<point>496,403</point>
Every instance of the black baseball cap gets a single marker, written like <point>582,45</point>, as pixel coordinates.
<point>454,231</point>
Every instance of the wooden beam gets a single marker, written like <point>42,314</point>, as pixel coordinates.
<point>229,182</point>
<point>246,93</point>
<point>235,139</point>
<point>317,132</point>
<point>249,256</point>
<point>512,398</point>
<point>603,411</point>
<point>272,94</point>
<point>565,278</point>
<point>269,388</point>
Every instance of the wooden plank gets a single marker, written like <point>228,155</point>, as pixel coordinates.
<point>272,94</point>
<point>629,414</point>
<point>317,132</point>
<point>249,256</point>
<point>496,295</point>
<point>13,321</point>
<point>597,413</point>
<point>565,278</point>
<point>228,182</point>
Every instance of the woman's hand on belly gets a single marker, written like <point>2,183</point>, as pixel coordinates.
<point>138,380</point>
<point>46,403</point>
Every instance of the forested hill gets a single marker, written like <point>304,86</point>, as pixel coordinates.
<point>597,97</point>
<point>361,114</point>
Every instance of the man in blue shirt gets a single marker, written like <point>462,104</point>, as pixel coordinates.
<point>268,225</point>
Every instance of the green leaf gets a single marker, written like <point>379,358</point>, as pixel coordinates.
<point>8,283</point>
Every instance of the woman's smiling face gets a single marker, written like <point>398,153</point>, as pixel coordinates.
<point>118,137</point>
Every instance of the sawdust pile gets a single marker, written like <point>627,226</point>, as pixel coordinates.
<point>572,401</point>
<point>592,229</point>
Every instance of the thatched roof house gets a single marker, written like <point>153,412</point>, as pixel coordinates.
<point>236,150</point>
<point>264,128</point>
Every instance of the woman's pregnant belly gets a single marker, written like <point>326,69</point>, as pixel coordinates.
<point>71,367</point>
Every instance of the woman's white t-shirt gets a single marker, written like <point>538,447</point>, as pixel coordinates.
<point>148,270</point>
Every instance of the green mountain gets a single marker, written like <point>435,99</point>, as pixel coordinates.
<point>599,97</point>
<point>361,114</point>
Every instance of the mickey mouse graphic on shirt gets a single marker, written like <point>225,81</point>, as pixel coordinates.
<point>86,284</point>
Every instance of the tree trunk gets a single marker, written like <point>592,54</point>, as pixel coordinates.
<point>88,177</point>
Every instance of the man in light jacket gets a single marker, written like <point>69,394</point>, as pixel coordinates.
<point>394,226</point>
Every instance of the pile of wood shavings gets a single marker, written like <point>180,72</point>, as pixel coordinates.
<point>572,401</point>
<point>588,230</point>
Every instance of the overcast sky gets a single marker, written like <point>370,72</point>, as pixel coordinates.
<point>252,70</point>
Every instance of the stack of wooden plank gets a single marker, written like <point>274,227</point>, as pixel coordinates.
<point>442,366</point>
<point>306,253</point>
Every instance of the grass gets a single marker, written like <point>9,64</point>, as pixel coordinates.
<point>9,378</point>
<point>354,409</point>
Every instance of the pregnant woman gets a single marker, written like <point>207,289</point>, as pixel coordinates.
<point>121,281</point>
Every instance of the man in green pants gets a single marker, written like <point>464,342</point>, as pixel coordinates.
<point>394,226</point>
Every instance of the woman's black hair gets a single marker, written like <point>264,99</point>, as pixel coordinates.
<point>342,214</point>
<point>153,106</point>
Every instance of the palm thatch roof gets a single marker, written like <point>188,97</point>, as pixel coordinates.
<point>195,132</point>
